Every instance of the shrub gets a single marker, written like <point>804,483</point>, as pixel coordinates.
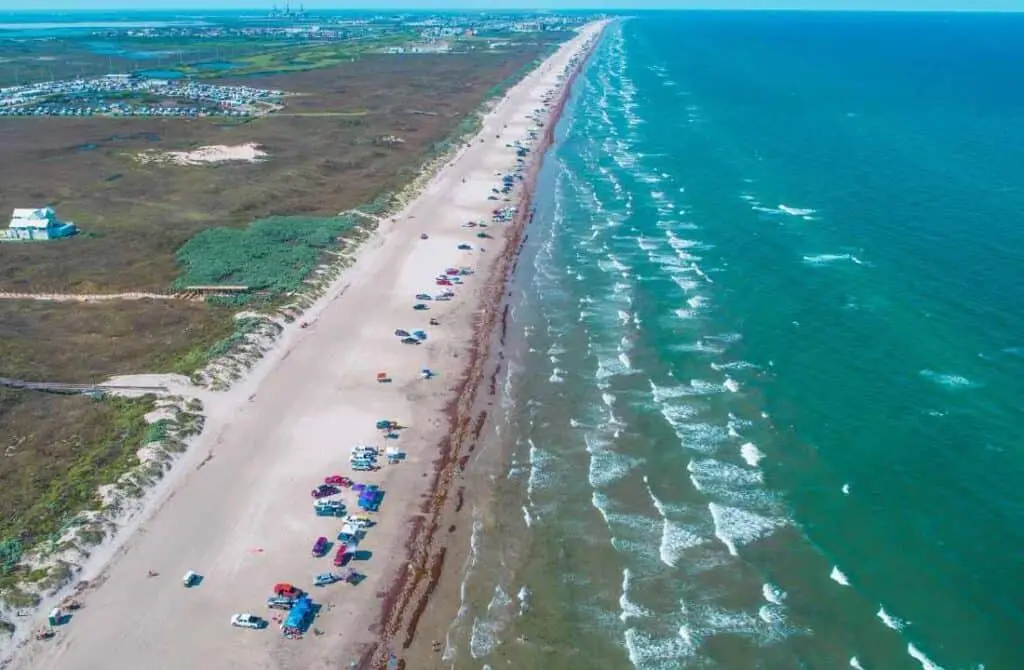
<point>274,254</point>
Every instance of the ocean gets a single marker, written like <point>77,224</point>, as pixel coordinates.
<point>763,400</point>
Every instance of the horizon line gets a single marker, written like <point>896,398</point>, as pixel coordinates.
<point>520,10</point>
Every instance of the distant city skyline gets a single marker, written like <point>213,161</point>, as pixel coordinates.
<point>496,5</point>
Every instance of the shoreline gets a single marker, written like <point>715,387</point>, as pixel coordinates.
<point>227,408</point>
<point>467,414</point>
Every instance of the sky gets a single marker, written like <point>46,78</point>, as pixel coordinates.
<point>904,5</point>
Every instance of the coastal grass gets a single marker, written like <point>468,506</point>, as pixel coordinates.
<point>88,342</point>
<point>275,254</point>
<point>52,468</point>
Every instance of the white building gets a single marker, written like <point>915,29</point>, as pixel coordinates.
<point>37,224</point>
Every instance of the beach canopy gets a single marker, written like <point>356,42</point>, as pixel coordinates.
<point>300,611</point>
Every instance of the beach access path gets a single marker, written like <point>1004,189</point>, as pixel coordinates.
<point>237,509</point>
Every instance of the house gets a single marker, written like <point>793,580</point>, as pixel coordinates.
<point>37,224</point>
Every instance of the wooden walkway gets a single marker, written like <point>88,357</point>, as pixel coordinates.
<point>187,293</point>
<point>74,389</point>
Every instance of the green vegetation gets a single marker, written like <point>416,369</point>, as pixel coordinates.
<point>242,328</point>
<point>44,488</point>
<point>274,254</point>
<point>278,58</point>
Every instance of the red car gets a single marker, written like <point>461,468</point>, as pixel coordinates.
<point>341,555</point>
<point>325,490</point>
<point>286,590</point>
<point>320,547</point>
<point>337,480</point>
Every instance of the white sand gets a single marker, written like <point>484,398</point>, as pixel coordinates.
<point>238,510</point>
<point>216,153</point>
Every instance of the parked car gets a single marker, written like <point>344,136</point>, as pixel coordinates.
<point>280,603</point>
<point>325,490</point>
<point>286,590</point>
<point>246,620</point>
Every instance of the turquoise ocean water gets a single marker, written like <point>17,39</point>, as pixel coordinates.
<point>764,401</point>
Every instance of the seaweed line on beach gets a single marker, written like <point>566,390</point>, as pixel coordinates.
<point>407,598</point>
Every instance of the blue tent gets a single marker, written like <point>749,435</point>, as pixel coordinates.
<point>300,612</point>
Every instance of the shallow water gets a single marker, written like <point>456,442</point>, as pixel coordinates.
<point>763,400</point>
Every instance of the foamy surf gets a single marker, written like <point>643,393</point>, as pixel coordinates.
<point>889,620</point>
<point>825,259</point>
<point>795,211</point>
<point>648,652</point>
<point>675,537</point>
<point>773,594</point>
<point>627,608</point>
<point>926,663</point>
<point>952,381</point>
<point>736,528</point>
<point>838,577</point>
<point>751,454</point>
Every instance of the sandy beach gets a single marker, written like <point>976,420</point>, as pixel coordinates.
<point>237,509</point>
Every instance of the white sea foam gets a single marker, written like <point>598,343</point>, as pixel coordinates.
<point>712,621</point>
<point>686,284</point>
<point>948,380</point>
<point>483,638</point>
<point>795,211</point>
<point>678,414</point>
<point>675,537</point>
<point>527,518</point>
<point>751,454</point>
<point>647,652</point>
<point>731,385</point>
<point>891,621</point>
<point>538,478</point>
<point>697,302</point>
<point>838,576</point>
<point>704,438</point>
<point>733,365</point>
<point>854,663</point>
<point>606,466</point>
<point>524,599</point>
<point>773,593</point>
<point>647,243</point>
<point>702,387</point>
<point>627,608</point>
<point>663,393</point>
<point>926,663</point>
<point>709,475</point>
<point>603,506</point>
<point>825,259</point>
<point>738,527</point>
<point>700,346</point>
<point>610,367</point>
<point>774,615</point>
